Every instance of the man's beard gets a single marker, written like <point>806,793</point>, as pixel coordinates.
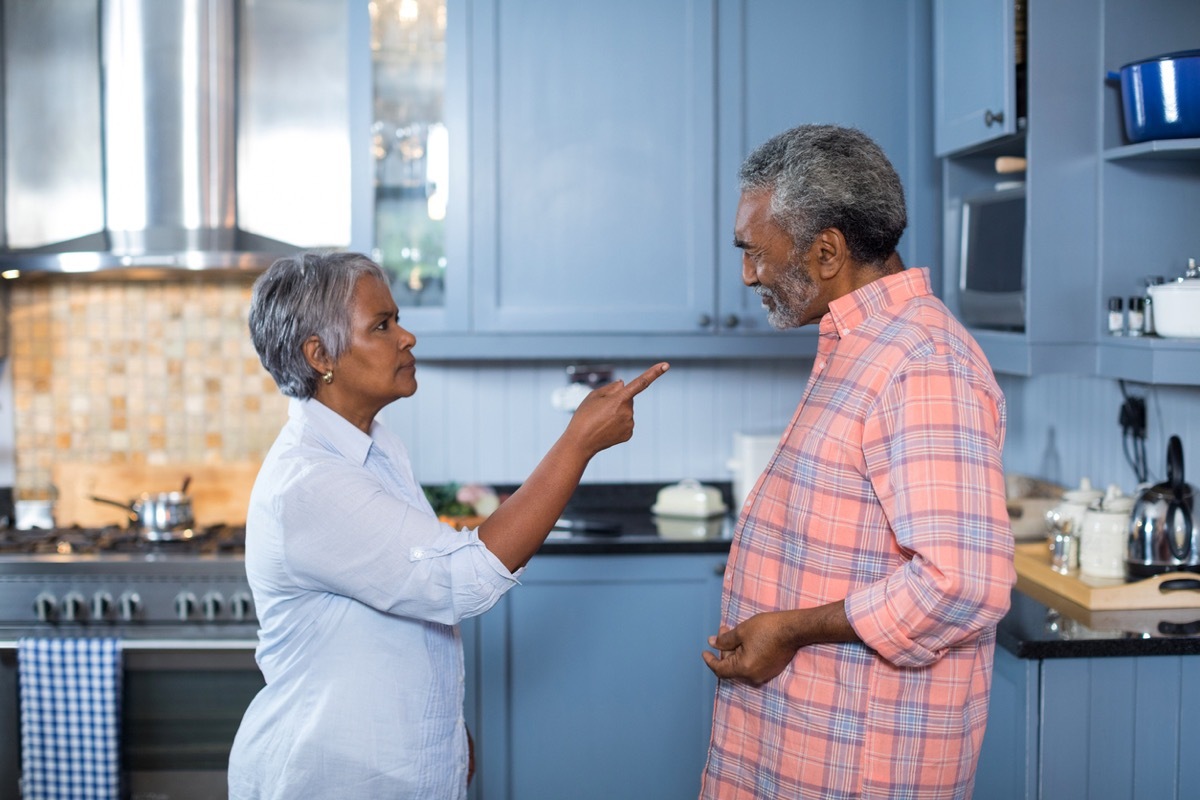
<point>792,297</point>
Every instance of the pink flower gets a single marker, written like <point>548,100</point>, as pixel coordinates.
<point>481,498</point>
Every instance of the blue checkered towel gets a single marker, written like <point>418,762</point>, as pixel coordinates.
<point>70,710</point>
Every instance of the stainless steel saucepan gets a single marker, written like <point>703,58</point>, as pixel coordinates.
<point>159,516</point>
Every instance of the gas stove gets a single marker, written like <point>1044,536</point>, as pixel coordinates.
<point>112,581</point>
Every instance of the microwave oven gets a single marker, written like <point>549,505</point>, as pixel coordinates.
<point>991,266</point>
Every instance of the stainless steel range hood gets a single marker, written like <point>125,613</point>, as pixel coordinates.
<point>144,137</point>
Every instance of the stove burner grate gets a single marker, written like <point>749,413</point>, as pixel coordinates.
<point>224,539</point>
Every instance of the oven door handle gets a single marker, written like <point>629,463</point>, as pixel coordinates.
<point>169,644</point>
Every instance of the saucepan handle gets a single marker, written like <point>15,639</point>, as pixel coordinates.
<point>116,503</point>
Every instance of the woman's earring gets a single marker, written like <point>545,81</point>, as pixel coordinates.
<point>328,377</point>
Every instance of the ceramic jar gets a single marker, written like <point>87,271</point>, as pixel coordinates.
<point>1103,535</point>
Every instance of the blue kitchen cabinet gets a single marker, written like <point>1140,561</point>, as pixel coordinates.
<point>592,167</point>
<point>1101,215</point>
<point>975,97</point>
<point>588,680</point>
<point>776,71</point>
<point>1090,706</point>
<point>1008,759</point>
<point>594,152</point>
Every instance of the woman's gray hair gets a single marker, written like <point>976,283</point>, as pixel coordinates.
<point>301,296</point>
<point>826,176</point>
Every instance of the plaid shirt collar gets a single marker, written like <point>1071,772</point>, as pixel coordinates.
<point>849,311</point>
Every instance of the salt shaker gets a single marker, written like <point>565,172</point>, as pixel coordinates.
<point>1136,320</point>
<point>1116,316</point>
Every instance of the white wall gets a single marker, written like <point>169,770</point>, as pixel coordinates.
<point>492,422</point>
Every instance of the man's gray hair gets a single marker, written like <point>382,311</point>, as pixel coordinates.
<point>826,176</point>
<point>301,296</point>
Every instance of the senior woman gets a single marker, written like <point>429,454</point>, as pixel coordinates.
<point>358,586</point>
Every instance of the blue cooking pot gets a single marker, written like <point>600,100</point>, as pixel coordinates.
<point>1160,96</point>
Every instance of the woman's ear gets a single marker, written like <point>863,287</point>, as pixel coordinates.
<point>316,355</point>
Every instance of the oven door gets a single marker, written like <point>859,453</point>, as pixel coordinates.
<point>182,699</point>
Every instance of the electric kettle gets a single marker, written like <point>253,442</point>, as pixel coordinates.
<point>1164,535</point>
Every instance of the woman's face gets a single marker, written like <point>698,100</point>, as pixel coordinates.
<point>378,365</point>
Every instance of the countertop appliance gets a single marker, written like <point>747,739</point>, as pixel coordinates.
<point>184,613</point>
<point>1164,532</point>
<point>991,264</point>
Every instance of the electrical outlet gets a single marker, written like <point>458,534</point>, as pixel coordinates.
<point>1133,417</point>
<point>581,380</point>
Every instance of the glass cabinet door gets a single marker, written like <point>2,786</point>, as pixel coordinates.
<point>411,148</point>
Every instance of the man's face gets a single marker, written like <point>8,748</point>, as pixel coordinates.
<point>769,265</point>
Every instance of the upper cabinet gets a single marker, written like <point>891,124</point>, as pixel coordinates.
<point>416,183</point>
<point>592,167</point>
<point>979,72</point>
<point>590,163</point>
<point>767,84</point>
<point>1150,192</point>
<point>1101,215</point>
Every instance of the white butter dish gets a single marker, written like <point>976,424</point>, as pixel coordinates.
<point>689,499</point>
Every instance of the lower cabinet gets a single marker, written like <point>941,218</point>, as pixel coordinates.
<point>1116,728</point>
<point>586,681</point>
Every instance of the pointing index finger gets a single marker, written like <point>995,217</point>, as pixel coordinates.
<point>639,384</point>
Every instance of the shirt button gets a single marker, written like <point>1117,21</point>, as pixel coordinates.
<point>418,552</point>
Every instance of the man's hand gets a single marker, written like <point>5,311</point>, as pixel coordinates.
<point>756,650</point>
<point>761,647</point>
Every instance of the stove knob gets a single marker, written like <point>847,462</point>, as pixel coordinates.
<point>185,604</point>
<point>45,605</point>
<point>212,604</point>
<point>74,607</point>
<point>240,606</point>
<point>102,604</point>
<point>130,606</point>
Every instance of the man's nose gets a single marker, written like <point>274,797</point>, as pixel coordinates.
<point>749,274</point>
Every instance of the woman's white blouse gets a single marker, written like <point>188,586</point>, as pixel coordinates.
<point>358,590</point>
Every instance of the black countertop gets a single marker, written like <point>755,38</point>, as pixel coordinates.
<point>1041,624</point>
<point>615,519</point>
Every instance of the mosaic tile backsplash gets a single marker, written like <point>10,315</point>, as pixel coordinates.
<point>152,373</point>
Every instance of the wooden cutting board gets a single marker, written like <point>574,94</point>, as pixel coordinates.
<point>1032,561</point>
<point>220,492</point>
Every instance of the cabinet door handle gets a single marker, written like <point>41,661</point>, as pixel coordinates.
<point>719,569</point>
<point>993,118</point>
<point>732,321</point>
<point>705,320</point>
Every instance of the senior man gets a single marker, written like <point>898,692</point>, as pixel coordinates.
<point>873,559</point>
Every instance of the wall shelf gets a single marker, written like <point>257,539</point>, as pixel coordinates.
<point>1158,148</point>
<point>1150,359</point>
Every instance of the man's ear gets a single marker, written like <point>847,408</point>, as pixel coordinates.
<point>316,355</point>
<point>830,253</point>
